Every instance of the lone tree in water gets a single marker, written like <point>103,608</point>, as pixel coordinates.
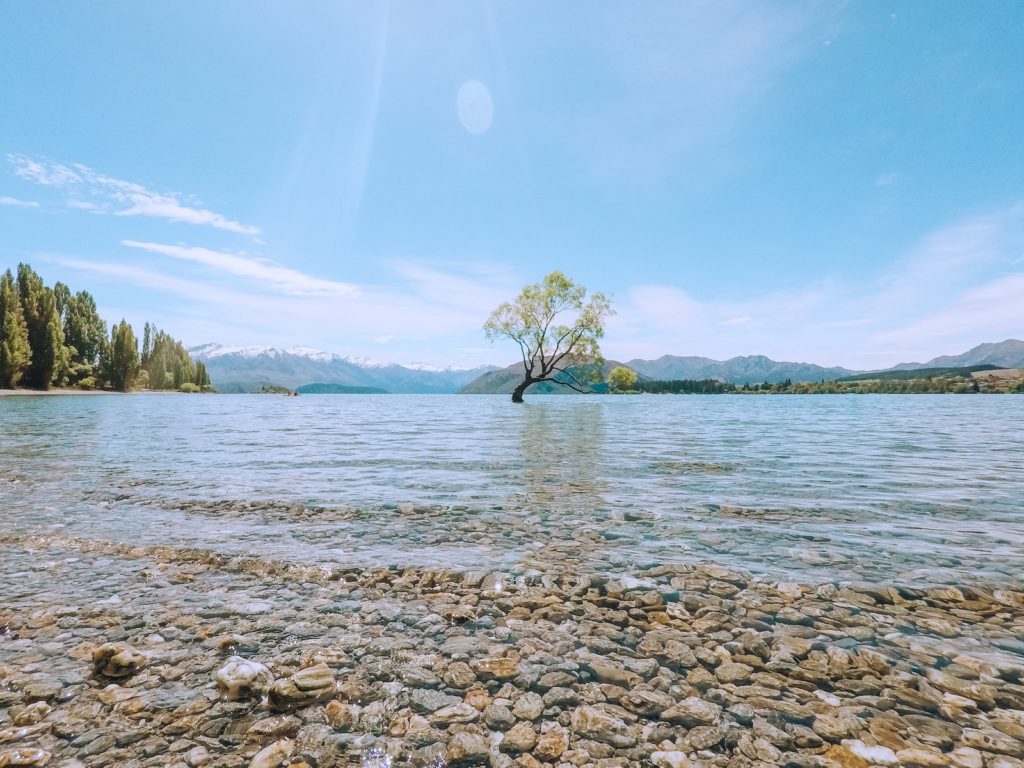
<point>622,379</point>
<point>551,348</point>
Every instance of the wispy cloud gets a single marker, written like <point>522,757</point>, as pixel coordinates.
<point>960,285</point>
<point>4,200</point>
<point>268,274</point>
<point>112,195</point>
<point>986,312</point>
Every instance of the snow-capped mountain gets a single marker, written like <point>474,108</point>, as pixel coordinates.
<point>246,369</point>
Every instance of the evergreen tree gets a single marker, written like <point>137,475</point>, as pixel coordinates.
<point>202,377</point>
<point>14,350</point>
<point>45,335</point>
<point>85,335</point>
<point>147,345</point>
<point>169,364</point>
<point>123,361</point>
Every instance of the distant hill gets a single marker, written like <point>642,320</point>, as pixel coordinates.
<point>246,369</point>
<point>502,381</point>
<point>323,388</point>
<point>1003,354</point>
<point>907,374</point>
<point>750,369</point>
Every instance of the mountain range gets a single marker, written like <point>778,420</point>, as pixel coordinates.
<point>246,369</point>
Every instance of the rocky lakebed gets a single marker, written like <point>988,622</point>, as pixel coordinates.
<point>130,656</point>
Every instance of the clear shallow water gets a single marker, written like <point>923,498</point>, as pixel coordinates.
<point>914,489</point>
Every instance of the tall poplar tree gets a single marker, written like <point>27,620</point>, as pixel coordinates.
<point>14,350</point>
<point>85,334</point>
<point>45,335</point>
<point>123,363</point>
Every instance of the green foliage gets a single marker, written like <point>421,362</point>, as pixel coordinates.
<point>168,364</point>
<point>622,379</point>
<point>549,348</point>
<point>15,353</point>
<point>686,387</point>
<point>45,335</point>
<point>53,336</point>
<point>189,387</point>
<point>273,389</point>
<point>923,385</point>
<point>123,362</point>
<point>917,373</point>
<point>85,333</point>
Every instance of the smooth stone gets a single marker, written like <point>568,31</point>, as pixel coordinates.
<point>242,679</point>
<point>529,706</point>
<point>274,755</point>
<point>455,713</point>
<point>427,700</point>
<point>669,759</point>
<point>874,755</point>
<point>836,726</point>
<point>992,741</point>
<point>305,687</point>
<point>692,711</point>
<point>496,668</point>
<point>519,738</point>
<point>24,756</point>
<point>117,660</point>
<point>646,703</point>
<point>464,748</point>
<point>551,744</point>
<point>593,723</point>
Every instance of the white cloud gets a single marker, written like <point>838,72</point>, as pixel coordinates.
<point>4,200</point>
<point>987,312</point>
<point>284,279</point>
<point>477,288</point>
<point>111,195</point>
<point>956,288</point>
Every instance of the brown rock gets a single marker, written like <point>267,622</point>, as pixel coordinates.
<point>551,744</point>
<point>117,660</point>
<point>692,712</point>
<point>993,741</point>
<point>646,703</point>
<point>836,726</point>
<point>596,724</point>
<point>466,747</point>
<point>519,738</point>
<point>502,668</point>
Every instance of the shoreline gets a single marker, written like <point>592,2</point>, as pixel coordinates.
<point>86,392</point>
<point>672,666</point>
<point>56,392</point>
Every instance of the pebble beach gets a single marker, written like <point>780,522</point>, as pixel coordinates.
<point>112,655</point>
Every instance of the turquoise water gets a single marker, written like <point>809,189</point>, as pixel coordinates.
<point>916,489</point>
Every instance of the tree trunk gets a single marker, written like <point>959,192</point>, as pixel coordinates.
<point>517,393</point>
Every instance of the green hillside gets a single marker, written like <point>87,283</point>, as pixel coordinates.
<point>917,373</point>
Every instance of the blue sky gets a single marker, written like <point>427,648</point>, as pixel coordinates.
<point>841,183</point>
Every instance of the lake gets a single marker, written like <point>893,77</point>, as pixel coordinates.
<point>912,489</point>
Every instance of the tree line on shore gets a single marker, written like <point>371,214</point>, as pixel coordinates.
<point>53,337</point>
<point>623,383</point>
